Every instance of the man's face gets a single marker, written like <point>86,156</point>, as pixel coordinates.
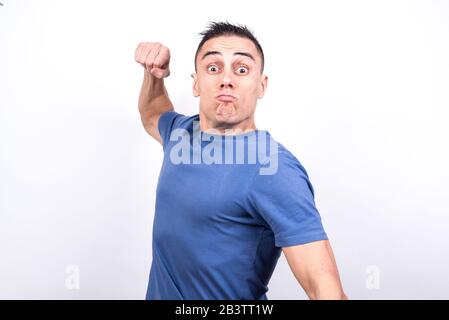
<point>229,66</point>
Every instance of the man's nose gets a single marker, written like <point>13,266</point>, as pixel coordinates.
<point>227,80</point>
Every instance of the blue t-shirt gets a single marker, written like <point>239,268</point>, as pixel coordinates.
<point>220,226</point>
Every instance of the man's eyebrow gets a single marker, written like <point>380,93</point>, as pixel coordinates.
<point>246,54</point>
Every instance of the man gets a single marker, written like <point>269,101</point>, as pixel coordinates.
<point>220,226</point>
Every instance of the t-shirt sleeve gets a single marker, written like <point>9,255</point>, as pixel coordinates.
<point>285,201</point>
<point>168,121</point>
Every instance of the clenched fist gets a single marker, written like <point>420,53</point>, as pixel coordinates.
<point>155,58</point>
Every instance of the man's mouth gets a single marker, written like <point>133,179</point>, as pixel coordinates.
<point>226,98</point>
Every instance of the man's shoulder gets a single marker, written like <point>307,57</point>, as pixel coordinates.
<point>283,153</point>
<point>287,156</point>
<point>284,159</point>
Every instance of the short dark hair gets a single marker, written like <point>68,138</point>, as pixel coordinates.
<point>217,29</point>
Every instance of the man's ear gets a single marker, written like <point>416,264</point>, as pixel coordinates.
<point>263,86</point>
<point>196,92</point>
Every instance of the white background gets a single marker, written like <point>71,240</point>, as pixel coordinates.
<point>358,91</point>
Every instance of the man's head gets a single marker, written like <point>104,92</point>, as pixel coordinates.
<point>229,61</point>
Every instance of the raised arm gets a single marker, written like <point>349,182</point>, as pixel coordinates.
<point>153,98</point>
<point>314,266</point>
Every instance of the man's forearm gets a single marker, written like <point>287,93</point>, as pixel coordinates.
<point>324,283</point>
<point>328,288</point>
<point>153,98</point>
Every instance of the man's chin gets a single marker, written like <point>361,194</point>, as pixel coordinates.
<point>226,112</point>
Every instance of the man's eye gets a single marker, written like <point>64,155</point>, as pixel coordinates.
<point>242,70</point>
<point>212,68</point>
